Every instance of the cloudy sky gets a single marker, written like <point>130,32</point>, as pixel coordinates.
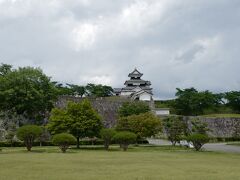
<point>175,43</point>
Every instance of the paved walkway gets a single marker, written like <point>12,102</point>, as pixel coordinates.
<point>221,147</point>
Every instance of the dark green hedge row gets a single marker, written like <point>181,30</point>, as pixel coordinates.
<point>21,144</point>
<point>226,139</point>
<point>82,142</point>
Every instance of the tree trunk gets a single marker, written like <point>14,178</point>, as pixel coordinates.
<point>125,147</point>
<point>106,145</point>
<point>78,142</point>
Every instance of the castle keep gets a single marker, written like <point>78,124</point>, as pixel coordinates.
<point>135,88</point>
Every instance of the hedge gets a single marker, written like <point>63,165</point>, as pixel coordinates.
<point>49,143</point>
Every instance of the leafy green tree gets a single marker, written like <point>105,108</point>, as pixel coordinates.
<point>133,108</point>
<point>80,119</point>
<point>62,89</point>
<point>174,128</point>
<point>28,92</point>
<point>191,102</point>
<point>28,134</point>
<point>45,135</point>
<point>198,140</point>
<point>5,69</point>
<point>11,132</point>
<point>199,127</point>
<point>198,135</point>
<point>143,125</point>
<point>98,90</point>
<point>233,100</point>
<point>63,140</point>
<point>107,136</point>
<point>77,90</point>
<point>124,138</point>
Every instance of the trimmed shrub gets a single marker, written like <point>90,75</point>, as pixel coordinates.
<point>124,138</point>
<point>28,134</point>
<point>107,136</point>
<point>198,140</point>
<point>63,140</point>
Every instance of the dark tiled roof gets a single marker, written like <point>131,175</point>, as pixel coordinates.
<point>117,90</point>
<point>137,81</point>
<point>135,73</point>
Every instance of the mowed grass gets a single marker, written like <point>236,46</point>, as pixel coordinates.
<point>139,163</point>
<point>222,115</point>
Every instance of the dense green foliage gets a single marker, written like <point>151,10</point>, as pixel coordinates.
<point>198,140</point>
<point>91,90</point>
<point>133,108</point>
<point>198,134</point>
<point>63,140</point>
<point>233,100</point>
<point>77,90</point>
<point>174,128</point>
<point>191,102</point>
<point>28,134</point>
<point>107,136</point>
<point>124,138</point>
<point>199,127</point>
<point>26,91</point>
<point>143,125</point>
<point>98,90</point>
<point>80,119</point>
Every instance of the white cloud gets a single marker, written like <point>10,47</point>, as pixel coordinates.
<point>84,35</point>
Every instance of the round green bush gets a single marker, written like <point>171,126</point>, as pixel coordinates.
<point>124,138</point>
<point>198,140</point>
<point>63,140</point>
<point>28,134</point>
<point>107,136</point>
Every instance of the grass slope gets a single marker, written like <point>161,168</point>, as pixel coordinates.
<point>222,115</point>
<point>139,163</point>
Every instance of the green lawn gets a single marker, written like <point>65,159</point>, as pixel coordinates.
<point>222,115</point>
<point>139,163</point>
<point>234,143</point>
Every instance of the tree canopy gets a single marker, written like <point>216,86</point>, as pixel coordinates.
<point>98,90</point>
<point>80,119</point>
<point>133,108</point>
<point>233,100</point>
<point>191,102</point>
<point>143,125</point>
<point>26,91</point>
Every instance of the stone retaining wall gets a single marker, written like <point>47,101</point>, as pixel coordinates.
<point>108,108</point>
<point>220,127</point>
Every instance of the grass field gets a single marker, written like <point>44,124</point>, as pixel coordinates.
<point>139,163</point>
<point>234,143</point>
<point>222,115</point>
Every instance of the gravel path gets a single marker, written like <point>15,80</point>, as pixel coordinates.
<point>221,147</point>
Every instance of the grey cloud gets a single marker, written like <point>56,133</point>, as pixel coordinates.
<point>175,43</point>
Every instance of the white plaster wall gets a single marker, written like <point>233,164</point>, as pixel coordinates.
<point>126,93</point>
<point>145,97</point>
<point>162,112</point>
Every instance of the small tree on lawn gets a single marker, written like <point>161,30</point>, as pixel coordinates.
<point>198,135</point>
<point>28,134</point>
<point>63,140</point>
<point>80,119</point>
<point>124,138</point>
<point>107,136</point>
<point>198,140</point>
<point>174,128</point>
<point>143,125</point>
